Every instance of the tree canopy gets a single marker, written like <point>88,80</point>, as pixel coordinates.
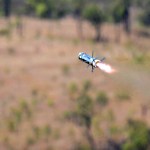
<point>94,14</point>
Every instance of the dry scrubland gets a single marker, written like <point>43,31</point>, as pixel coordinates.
<point>39,70</point>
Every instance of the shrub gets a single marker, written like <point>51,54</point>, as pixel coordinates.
<point>139,58</point>
<point>72,89</point>
<point>102,98</point>
<point>65,69</point>
<point>87,85</point>
<point>17,115</point>
<point>56,134</point>
<point>50,102</point>
<point>30,140</point>
<point>24,106</point>
<point>123,95</point>
<point>34,102</point>
<point>114,129</point>
<point>138,136</point>
<point>5,32</point>
<point>85,109</point>
<point>82,146</point>
<point>37,132</point>
<point>46,130</point>
<point>110,116</point>
<point>11,124</point>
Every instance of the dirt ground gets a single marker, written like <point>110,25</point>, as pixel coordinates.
<point>38,67</point>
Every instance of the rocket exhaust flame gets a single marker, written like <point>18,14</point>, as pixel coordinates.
<point>105,67</point>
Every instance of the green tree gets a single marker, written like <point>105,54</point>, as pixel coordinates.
<point>40,7</point>
<point>138,137</point>
<point>48,8</point>
<point>94,14</point>
<point>121,14</point>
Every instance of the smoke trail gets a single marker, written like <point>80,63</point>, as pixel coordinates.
<point>105,67</point>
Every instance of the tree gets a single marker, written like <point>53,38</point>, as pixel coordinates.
<point>41,8</point>
<point>117,13</point>
<point>78,7</point>
<point>144,17</point>
<point>83,114</point>
<point>126,15</point>
<point>94,14</point>
<point>61,8</point>
<point>7,7</point>
<point>1,8</point>
<point>121,13</point>
<point>48,8</point>
<point>138,137</point>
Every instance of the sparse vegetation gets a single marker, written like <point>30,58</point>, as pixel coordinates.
<point>36,68</point>
<point>139,58</point>
<point>56,134</point>
<point>138,136</point>
<point>5,32</point>
<point>110,117</point>
<point>30,140</point>
<point>50,102</point>
<point>123,95</point>
<point>65,69</point>
<point>72,89</point>
<point>102,98</point>
<point>11,125</point>
<point>46,130</point>
<point>82,146</point>
<point>87,85</point>
<point>17,114</point>
<point>24,106</point>
<point>114,130</point>
<point>37,132</point>
<point>97,130</point>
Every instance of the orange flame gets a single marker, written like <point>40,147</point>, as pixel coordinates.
<point>106,68</point>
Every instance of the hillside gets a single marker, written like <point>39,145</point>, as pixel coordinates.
<point>39,68</point>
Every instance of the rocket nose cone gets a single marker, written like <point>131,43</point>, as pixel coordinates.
<point>79,54</point>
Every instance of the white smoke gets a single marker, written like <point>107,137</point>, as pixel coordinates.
<point>105,67</point>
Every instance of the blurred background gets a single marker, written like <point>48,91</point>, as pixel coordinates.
<point>49,100</point>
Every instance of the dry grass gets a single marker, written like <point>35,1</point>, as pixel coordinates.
<point>38,68</point>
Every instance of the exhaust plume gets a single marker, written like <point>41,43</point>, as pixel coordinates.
<point>105,67</point>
